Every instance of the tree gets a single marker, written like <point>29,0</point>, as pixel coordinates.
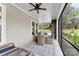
<point>44,26</point>
<point>69,18</point>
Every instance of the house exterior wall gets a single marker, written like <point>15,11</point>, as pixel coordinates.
<point>18,26</point>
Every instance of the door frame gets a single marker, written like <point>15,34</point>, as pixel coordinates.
<point>3,25</point>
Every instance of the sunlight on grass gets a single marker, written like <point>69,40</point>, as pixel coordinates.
<point>73,35</point>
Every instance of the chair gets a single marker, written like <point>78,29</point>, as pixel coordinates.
<point>50,40</point>
<point>40,39</point>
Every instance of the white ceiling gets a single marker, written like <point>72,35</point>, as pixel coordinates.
<point>43,16</point>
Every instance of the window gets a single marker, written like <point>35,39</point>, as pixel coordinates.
<point>71,24</point>
<point>36,27</point>
<point>68,30</point>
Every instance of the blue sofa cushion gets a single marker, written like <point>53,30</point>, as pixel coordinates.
<point>7,49</point>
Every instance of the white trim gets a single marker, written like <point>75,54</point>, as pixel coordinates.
<point>24,11</point>
<point>33,20</point>
<point>57,20</point>
<point>3,20</point>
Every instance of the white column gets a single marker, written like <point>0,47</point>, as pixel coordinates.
<point>58,19</point>
<point>57,29</point>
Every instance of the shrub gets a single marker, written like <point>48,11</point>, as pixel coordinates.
<point>73,36</point>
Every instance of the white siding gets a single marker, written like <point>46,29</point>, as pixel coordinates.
<point>18,26</point>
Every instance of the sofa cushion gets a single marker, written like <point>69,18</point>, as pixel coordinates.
<point>49,40</point>
<point>6,47</point>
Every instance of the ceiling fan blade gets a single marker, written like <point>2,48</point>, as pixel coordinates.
<point>40,4</point>
<point>31,9</point>
<point>38,11</point>
<point>32,4</point>
<point>42,9</point>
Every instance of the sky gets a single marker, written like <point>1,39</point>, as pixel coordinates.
<point>76,5</point>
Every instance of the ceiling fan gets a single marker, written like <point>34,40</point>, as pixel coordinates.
<point>37,7</point>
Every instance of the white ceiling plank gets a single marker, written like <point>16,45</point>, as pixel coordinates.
<point>52,11</point>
